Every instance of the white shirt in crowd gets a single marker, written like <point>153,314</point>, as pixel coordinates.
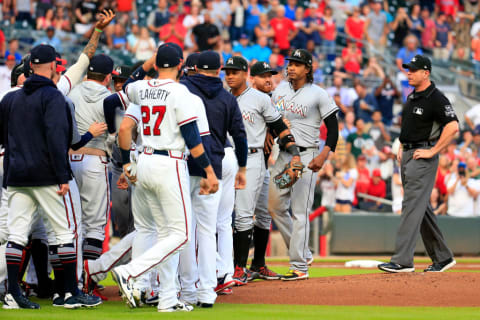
<point>347,193</point>
<point>328,193</point>
<point>474,114</point>
<point>460,202</point>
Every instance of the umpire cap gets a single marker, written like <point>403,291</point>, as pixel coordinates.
<point>419,62</point>
<point>236,63</point>
<point>261,67</point>
<point>302,56</point>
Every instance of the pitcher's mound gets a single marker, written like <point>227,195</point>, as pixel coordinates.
<point>453,289</point>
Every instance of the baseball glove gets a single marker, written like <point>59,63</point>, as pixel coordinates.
<point>290,174</point>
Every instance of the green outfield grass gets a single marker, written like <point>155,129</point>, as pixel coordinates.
<point>118,311</point>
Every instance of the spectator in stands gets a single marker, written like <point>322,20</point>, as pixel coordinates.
<point>326,182</point>
<point>355,26</point>
<point>127,8</point>
<point>317,72</point>
<point>473,142</point>
<point>13,50</point>
<point>343,96</point>
<point>365,104</point>
<point>473,168</point>
<point>461,192</point>
<point>46,21</point>
<point>23,10</point>
<point>339,69</point>
<point>363,180</point>
<point>443,38</point>
<point>156,19</point>
<point>220,14</point>
<point>205,36</point>
<point>405,55</point>
<point>387,162</point>
<point>417,25</point>
<point>277,59</point>
<point>61,21</point>
<point>85,14</point>
<point>377,188</point>
<point>300,40</point>
<point>400,26</point>
<point>259,51</point>
<point>3,45</point>
<point>373,70</point>
<point>144,46</point>
<point>386,94</point>
<point>290,9</point>
<point>446,7</point>
<point>438,205</point>
<point>119,40</point>
<point>341,9</point>
<point>237,19</point>
<point>397,191</point>
<point>345,181</point>
<point>190,21</point>
<point>264,29</point>
<point>226,50</point>
<point>243,45</point>
<point>475,47</point>
<point>43,6</point>
<point>376,28</point>
<point>50,39</point>
<point>173,31</point>
<point>377,131</point>
<point>284,30</point>
<point>372,154</point>
<point>328,32</point>
<point>356,140</point>
<point>472,116</point>
<point>462,38</point>
<point>133,35</point>
<point>349,125</point>
<point>253,12</point>
<point>352,58</point>
<point>5,74</point>
<point>428,33</point>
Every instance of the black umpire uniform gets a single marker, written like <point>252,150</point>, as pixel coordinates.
<point>425,114</point>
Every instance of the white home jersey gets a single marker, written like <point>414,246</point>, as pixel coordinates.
<point>305,109</point>
<point>257,110</point>
<point>161,106</point>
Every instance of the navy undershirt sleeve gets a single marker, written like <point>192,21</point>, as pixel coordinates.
<point>241,150</point>
<point>190,134</point>
<point>83,141</point>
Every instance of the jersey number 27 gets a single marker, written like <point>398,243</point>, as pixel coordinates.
<point>146,114</point>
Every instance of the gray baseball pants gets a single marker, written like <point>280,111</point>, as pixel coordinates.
<point>418,179</point>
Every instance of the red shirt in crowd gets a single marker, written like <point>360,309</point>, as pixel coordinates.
<point>363,181</point>
<point>2,41</point>
<point>124,5</point>
<point>351,63</point>
<point>356,28</point>
<point>179,29</point>
<point>440,183</point>
<point>378,190</point>
<point>449,7</point>
<point>330,28</point>
<point>427,34</point>
<point>282,28</point>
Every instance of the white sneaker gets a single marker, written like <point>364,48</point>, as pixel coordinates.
<point>19,302</point>
<point>125,285</point>
<point>180,306</point>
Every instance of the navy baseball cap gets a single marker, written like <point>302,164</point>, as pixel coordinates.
<point>208,60</point>
<point>43,53</point>
<point>302,56</point>
<point>167,57</point>
<point>236,63</point>
<point>192,61</point>
<point>419,62</point>
<point>176,47</point>
<point>123,72</point>
<point>261,67</point>
<point>101,64</point>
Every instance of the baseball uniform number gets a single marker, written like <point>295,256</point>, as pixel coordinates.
<point>160,110</point>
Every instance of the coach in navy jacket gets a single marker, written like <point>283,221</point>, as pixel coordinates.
<point>35,130</point>
<point>223,114</point>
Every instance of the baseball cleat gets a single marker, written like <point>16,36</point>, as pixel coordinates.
<point>58,300</point>
<point>441,266</point>
<point>251,275</point>
<point>265,273</point>
<point>18,302</point>
<point>294,275</point>
<point>239,276</point>
<point>223,283</point>
<point>310,261</point>
<point>204,305</point>
<point>180,306</point>
<point>225,292</point>
<point>81,300</point>
<point>395,268</point>
<point>125,286</point>
<point>152,300</point>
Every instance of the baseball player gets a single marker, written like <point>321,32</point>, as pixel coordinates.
<point>304,105</point>
<point>258,113</point>
<point>42,182</point>
<point>261,79</point>
<point>223,116</point>
<point>160,202</point>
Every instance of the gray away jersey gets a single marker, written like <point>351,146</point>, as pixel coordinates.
<point>257,110</point>
<point>305,109</point>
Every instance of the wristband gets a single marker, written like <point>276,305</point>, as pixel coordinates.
<point>98,30</point>
<point>125,156</point>
<point>203,160</point>
<point>293,150</point>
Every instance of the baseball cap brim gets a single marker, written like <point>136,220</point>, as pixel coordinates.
<point>233,68</point>
<point>409,66</point>
<point>273,72</point>
<point>296,59</point>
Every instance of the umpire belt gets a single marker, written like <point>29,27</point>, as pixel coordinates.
<point>416,145</point>
<point>168,153</point>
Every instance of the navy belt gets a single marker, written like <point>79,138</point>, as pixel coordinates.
<point>150,151</point>
<point>416,145</point>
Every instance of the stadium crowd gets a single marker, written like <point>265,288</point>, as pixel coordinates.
<point>368,96</point>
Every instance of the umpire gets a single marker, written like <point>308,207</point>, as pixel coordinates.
<point>429,124</point>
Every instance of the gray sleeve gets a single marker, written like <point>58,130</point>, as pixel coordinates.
<point>270,114</point>
<point>326,105</point>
